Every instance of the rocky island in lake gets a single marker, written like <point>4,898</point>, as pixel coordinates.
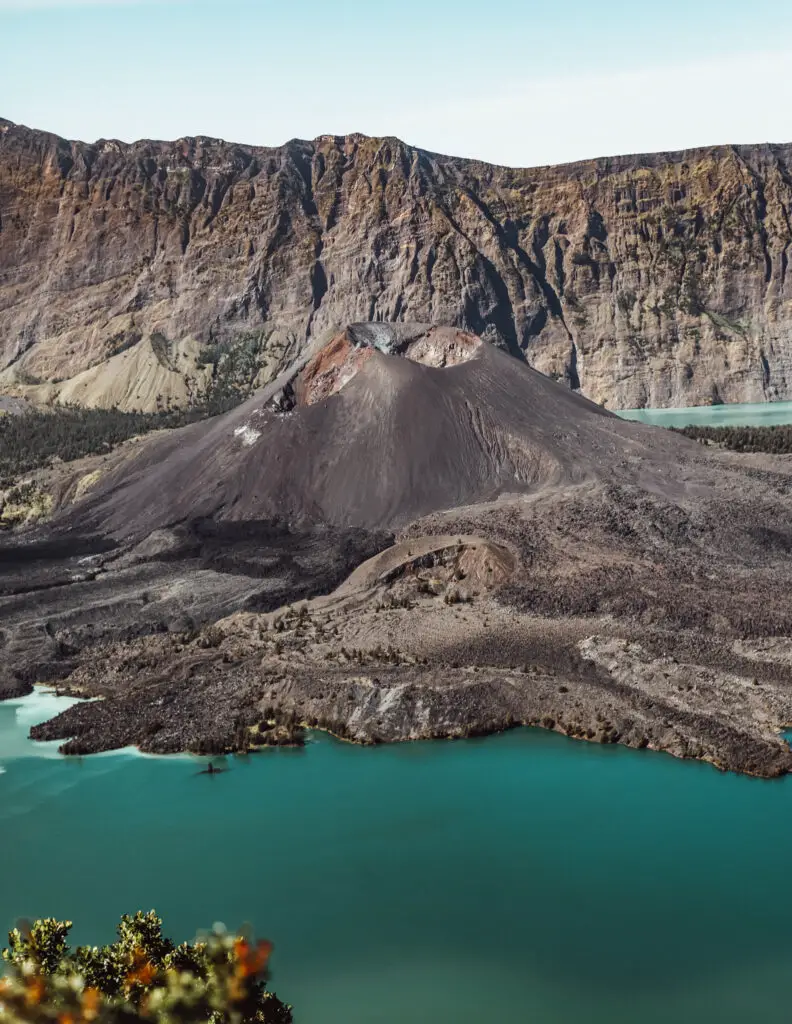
<point>410,533</point>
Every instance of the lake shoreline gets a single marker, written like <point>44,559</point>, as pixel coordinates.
<point>53,728</point>
<point>645,602</point>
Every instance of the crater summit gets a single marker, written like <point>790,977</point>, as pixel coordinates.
<point>344,356</point>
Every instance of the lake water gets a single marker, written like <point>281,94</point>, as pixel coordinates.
<point>516,879</point>
<point>758,414</point>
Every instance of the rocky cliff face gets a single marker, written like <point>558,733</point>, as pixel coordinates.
<point>135,274</point>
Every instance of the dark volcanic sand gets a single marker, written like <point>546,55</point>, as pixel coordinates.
<point>611,580</point>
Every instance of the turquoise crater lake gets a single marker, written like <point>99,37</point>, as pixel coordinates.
<point>751,414</point>
<point>516,879</point>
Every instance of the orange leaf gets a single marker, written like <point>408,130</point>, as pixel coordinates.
<point>91,998</point>
<point>34,991</point>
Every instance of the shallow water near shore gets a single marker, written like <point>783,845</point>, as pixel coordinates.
<point>520,878</point>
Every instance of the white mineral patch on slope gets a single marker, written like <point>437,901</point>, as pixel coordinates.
<point>248,434</point>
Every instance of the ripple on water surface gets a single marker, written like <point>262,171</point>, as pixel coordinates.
<point>520,878</point>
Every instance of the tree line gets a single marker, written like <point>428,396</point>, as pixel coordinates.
<point>35,439</point>
<point>776,440</point>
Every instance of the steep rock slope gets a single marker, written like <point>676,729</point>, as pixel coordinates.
<point>133,274</point>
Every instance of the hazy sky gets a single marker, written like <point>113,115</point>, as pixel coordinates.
<point>512,82</point>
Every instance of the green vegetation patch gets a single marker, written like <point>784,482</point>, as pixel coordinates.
<point>35,439</point>
<point>142,976</point>
<point>23,504</point>
<point>235,363</point>
<point>775,440</point>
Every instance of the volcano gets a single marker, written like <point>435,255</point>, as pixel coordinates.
<point>411,533</point>
<point>375,427</point>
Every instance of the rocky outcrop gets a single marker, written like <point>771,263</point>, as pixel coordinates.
<point>134,274</point>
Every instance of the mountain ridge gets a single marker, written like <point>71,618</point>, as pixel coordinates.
<point>617,161</point>
<point>133,274</point>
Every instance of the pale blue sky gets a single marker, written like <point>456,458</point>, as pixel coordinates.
<point>518,83</point>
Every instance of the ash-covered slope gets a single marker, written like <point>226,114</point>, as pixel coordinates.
<point>379,426</point>
<point>132,274</point>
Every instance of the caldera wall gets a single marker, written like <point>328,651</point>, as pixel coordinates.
<point>130,274</point>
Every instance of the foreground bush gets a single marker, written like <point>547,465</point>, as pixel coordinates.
<point>140,977</point>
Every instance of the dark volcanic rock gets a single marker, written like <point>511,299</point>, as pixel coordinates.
<point>58,603</point>
<point>375,440</point>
